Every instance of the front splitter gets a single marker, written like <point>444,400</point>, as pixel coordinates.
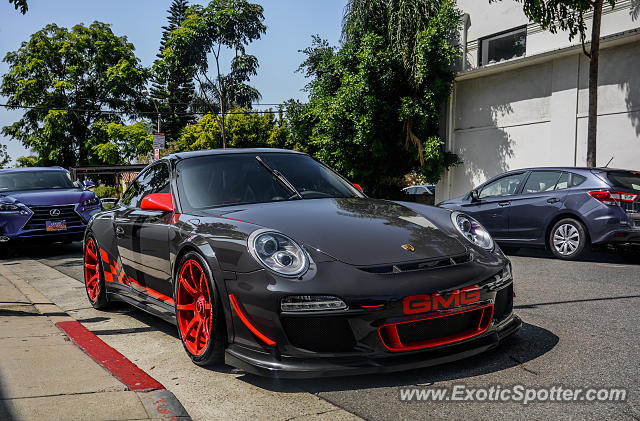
<point>263,364</point>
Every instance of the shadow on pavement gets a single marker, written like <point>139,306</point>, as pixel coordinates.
<point>586,300</point>
<point>152,323</point>
<point>528,344</point>
<point>5,412</point>
<point>596,255</point>
<point>39,250</point>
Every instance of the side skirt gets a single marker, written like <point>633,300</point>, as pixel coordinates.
<point>160,310</point>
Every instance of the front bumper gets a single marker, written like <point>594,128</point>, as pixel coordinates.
<point>28,223</point>
<point>366,337</point>
<point>274,365</point>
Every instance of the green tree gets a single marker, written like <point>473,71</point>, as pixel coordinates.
<point>244,129</point>
<point>27,161</point>
<point>380,93</point>
<point>172,84</point>
<point>570,15</point>
<point>20,4</point>
<point>71,83</point>
<point>116,143</point>
<point>221,26</point>
<point>5,159</point>
<point>420,33</point>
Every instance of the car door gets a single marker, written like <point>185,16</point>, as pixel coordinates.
<point>151,238</point>
<point>492,208</point>
<point>127,221</point>
<point>540,200</point>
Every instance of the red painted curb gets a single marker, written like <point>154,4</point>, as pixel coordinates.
<point>113,361</point>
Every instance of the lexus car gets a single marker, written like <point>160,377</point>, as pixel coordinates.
<point>564,209</point>
<point>43,204</point>
<point>271,262</point>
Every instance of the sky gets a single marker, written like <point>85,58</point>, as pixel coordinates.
<point>290,25</point>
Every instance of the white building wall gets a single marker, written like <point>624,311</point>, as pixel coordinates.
<point>532,111</point>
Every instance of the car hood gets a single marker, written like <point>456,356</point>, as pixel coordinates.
<point>47,197</point>
<point>357,231</point>
<point>457,201</point>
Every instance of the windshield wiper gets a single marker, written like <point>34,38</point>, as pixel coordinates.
<point>281,178</point>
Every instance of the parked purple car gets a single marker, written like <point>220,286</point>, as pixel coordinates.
<point>44,204</point>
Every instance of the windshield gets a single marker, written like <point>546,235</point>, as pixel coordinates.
<point>233,179</point>
<point>35,180</point>
<point>624,179</point>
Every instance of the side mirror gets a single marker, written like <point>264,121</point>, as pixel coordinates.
<point>88,184</point>
<point>474,196</point>
<point>157,202</point>
<point>357,186</point>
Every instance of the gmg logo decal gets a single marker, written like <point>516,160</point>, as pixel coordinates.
<point>431,302</point>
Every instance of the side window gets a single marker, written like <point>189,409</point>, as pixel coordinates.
<point>139,185</point>
<point>541,181</point>
<point>132,196</point>
<point>576,180</point>
<point>160,181</point>
<point>504,186</point>
<point>563,182</point>
<point>155,181</point>
<point>129,194</point>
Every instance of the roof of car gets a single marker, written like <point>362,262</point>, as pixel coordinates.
<point>183,155</point>
<point>569,169</point>
<point>31,169</point>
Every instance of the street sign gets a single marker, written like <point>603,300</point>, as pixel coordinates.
<point>156,154</point>
<point>159,141</point>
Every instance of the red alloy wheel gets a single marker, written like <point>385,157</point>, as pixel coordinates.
<point>91,274</point>
<point>193,305</point>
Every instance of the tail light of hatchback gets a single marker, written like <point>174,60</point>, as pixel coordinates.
<point>612,197</point>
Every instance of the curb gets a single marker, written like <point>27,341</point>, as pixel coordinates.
<point>111,360</point>
<point>159,403</point>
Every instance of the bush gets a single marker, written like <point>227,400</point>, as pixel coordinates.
<point>105,191</point>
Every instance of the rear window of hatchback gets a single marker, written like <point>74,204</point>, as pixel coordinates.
<point>624,179</point>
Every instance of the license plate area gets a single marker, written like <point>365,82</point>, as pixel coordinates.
<point>56,225</point>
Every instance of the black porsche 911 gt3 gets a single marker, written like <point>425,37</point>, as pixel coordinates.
<point>271,262</point>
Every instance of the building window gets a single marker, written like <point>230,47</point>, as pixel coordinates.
<point>503,46</point>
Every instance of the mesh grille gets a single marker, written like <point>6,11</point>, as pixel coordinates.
<point>319,334</point>
<point>437,328</point>
<point>504,303</point>
<point>41,214</point>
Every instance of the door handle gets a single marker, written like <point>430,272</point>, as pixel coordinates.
<point>553,200</point>
<point>119,232</point>
<point>503,204</point>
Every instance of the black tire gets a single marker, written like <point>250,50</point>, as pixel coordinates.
<point>101,301</point>
<point>567,239</point>
<point>213,352</point>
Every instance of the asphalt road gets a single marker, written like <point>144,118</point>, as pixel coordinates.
<point>581,329</point>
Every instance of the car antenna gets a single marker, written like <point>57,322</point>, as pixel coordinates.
<point>609,162</point>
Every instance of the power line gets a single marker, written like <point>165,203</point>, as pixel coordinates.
<point>188,103</point>
<point>151,113</point>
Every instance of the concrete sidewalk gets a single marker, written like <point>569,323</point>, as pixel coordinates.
<point>44,375</point>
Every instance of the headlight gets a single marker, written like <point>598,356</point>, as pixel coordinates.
<point>472,230</point>
<point>91,202</point>
<point>8,207</point>
<point>278,253</point>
